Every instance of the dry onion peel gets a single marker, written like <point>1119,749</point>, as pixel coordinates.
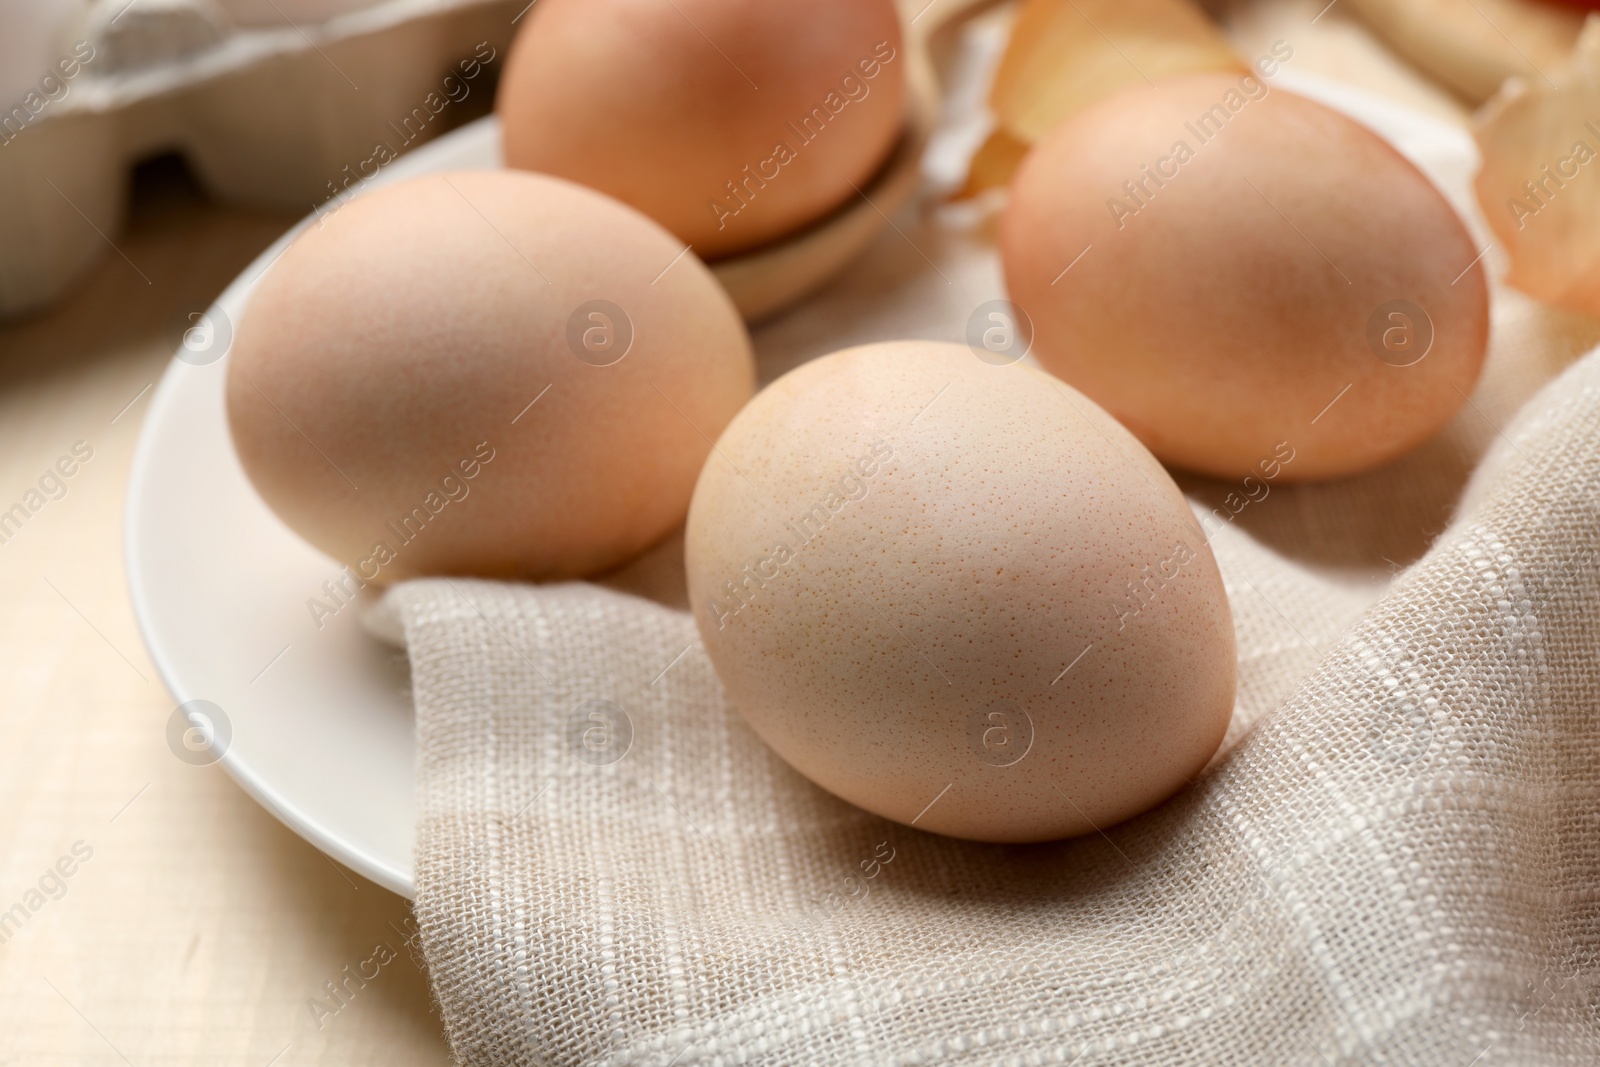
<point>1539,185</point>
<point>1066,54</point>
<point>1474,47</point>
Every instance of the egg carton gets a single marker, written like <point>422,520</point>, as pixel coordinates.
<point>279,114</point>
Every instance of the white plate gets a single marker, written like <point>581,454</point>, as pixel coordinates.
<point>321,719</point>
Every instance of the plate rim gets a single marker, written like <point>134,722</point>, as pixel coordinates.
<point>353,854</point>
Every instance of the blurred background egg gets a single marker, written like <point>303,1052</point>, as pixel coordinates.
<point>1233,270</point>
<point>492,373</point>
<point>959,595</point>
<point>731,123</point>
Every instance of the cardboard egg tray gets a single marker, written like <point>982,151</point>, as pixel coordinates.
<point>280,115</point>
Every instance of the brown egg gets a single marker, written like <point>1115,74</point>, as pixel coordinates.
<point>959,595</point>
<point>730,123</point>
<point>488,372</point>
<point>1235,272</point>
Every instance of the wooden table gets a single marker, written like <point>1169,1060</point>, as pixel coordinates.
<point>193,927</point>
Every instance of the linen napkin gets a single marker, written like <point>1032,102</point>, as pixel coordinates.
<point>1398,863</point>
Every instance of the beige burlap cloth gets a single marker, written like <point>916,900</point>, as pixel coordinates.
<point>1395,860</point>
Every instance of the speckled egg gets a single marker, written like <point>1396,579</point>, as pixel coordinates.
<point>960,595</point>
<point>731,123</point>
<point>483,372</point>
<point>1237,273</point>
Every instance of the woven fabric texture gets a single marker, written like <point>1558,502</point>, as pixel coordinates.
<point>1398,863</point>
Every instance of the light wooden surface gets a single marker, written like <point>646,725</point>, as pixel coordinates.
<point>201,929</point>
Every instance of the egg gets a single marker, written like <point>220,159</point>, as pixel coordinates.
<point>490,373</point>
<point>1236,273</point>
<point>959,595</point>
<point>731,123</point>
